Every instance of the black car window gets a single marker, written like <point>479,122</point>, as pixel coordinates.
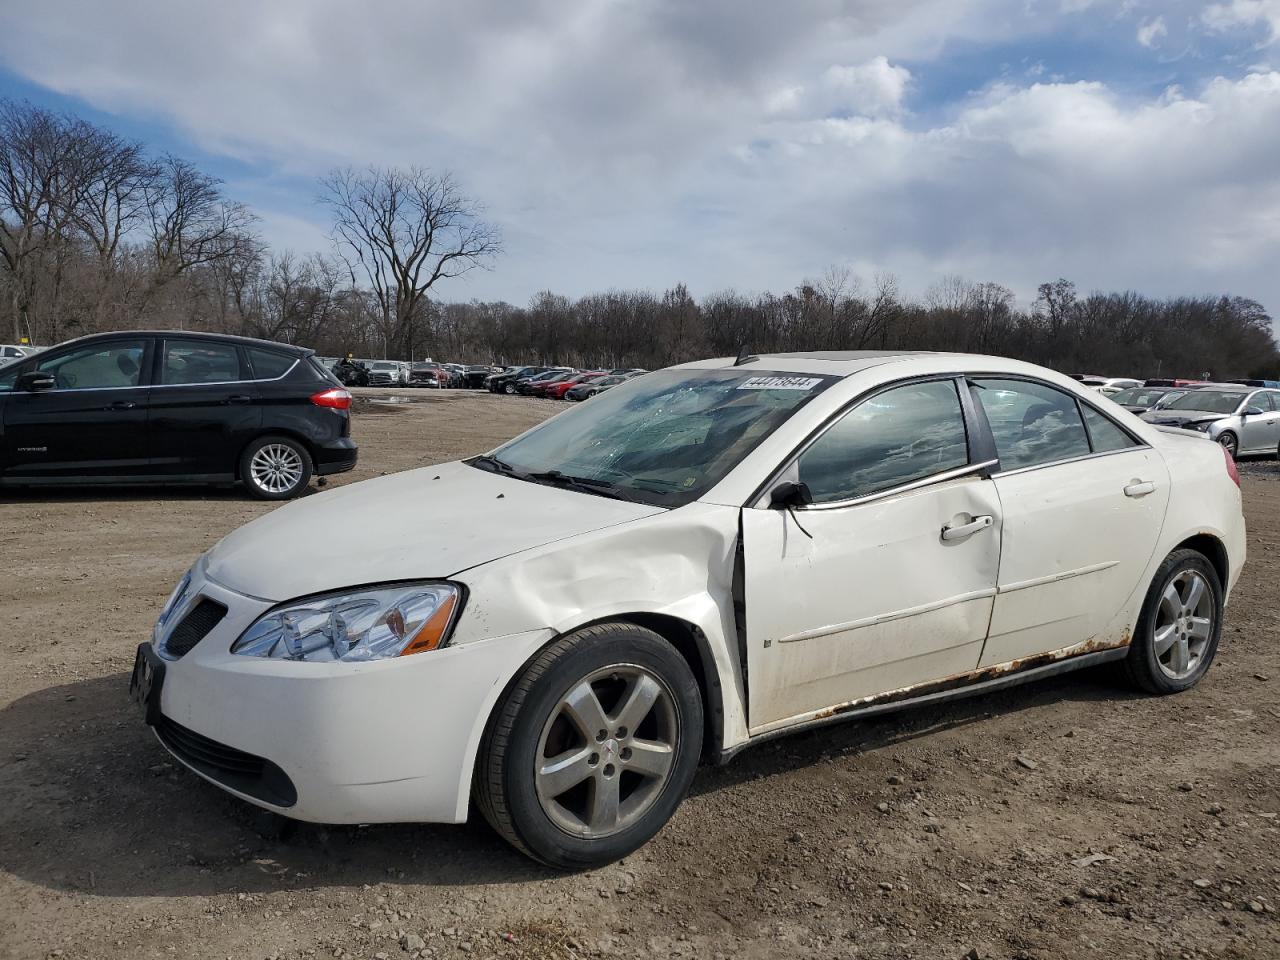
<point>1105,435</point>
<point>101,365</point>
<point>199,361</point>
<point>1033,423</point>
<point>267,364</point>
<point>896,437</point>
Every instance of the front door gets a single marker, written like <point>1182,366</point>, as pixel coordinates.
<point>1260,432</point>
<point>1083,505</point>
<point>204,409</point>
<point>886,581</point>
<point>92,423</point>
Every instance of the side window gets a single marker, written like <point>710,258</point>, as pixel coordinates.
<point>1264,401</point>
<point>199,361</point>
<point>904,434</point>
<point>115,363</point>
<point>9,375</point>
<point>1032,423</point>
<point>267,365</point>
<point>1104,434</point>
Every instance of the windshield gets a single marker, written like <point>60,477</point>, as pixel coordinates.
<point>1138,397</point>
<point>1211,401</point>
<point>384,366</point>
<point>664,439</point>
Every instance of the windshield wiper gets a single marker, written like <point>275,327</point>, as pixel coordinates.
<point>493,464</point>
<point>601,488</point>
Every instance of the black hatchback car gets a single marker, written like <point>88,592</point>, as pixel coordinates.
<point>173,407</point>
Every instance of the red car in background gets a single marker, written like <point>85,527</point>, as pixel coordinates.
<point>558,388</point>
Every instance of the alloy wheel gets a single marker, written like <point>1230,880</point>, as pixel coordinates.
<point>1230,444</point>
<point>276,468</point>
<point>1184,624</point>
<point>607,751</point>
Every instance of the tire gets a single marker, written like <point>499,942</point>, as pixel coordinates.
<point>275,468</point>
<point>566,823</point>
<point>509,389</point>
<point>1160,662</point>
<point>1231,443</point>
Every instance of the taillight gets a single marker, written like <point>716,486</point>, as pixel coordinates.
<point>335,399</point>
<point>1232,472</point>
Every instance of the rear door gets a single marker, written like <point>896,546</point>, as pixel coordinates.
<point>205,407</point>
<point>92,424</point>
<point>1083,503</point>
<point>886,581</point>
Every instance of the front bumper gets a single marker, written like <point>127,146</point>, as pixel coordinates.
<point>386,741</point>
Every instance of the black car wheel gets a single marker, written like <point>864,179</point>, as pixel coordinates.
<point>593,748</point>
<point>275,468</point>
<point>510,388</point>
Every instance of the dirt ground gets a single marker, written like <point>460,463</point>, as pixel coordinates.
<point>1069,818</point>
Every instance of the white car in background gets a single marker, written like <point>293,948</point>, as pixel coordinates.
<point>1107,386</point>
<point>698,560</point>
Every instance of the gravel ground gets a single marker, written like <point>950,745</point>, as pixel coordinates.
<point>1068,818</point>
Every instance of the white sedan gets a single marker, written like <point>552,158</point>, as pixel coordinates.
<point>700,559</point>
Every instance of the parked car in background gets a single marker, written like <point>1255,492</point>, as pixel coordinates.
<point>1107,385</point>
<point>457,374</point>
<point>589,388</point>
<point>427,375</point>
<point>1175,382</point>
<point>387,373</point>
<point>504,381</point>
<point>1142,399</point>
<point>173,407</point>
<point>476,374</point>
<point>557,390</point>
<point>526,385</point>
<point>664,576</point>
<point>1243,420</point>
<point>1273,384</point>
<point>11,351</point>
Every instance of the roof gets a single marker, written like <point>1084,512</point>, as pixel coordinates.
<point>196,335</point>
<point>840,363</point>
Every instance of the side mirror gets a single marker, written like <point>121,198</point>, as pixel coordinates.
<point>790,494</point>
<point>1251,412</point>
<point>34,382</point>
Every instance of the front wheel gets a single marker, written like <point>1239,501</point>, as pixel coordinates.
<point>509,389</point>
<point>275,468</point>
<point>1230,443</point>
<point>1178,630</point>
<point>594,747</point>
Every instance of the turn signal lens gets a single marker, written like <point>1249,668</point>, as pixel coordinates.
<point>433,632</point>
<point>336,399</point>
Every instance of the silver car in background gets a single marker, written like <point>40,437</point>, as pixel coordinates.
<point>390,373</point>
<point>1245,421</point>
<point>1143,399</point>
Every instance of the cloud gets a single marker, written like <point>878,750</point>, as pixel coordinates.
<point>1150,31</point>
<point>1222,17</point>
<point>725,142</point>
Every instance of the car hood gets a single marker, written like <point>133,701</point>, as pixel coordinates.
<point>1181,418</point>
<point>427,523</point>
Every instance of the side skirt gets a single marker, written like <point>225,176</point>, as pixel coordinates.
<point>954,690</point>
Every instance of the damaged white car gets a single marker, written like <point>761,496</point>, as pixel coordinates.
<point>697,560</point>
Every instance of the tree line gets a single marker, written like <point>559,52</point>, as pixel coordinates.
<point>97,233</point>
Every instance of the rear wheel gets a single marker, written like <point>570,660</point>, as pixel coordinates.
<point>1230,442</point>
<point>510,388</point>
<point>593,748</point>
<point>275,468</point>
<point>1178,630</point>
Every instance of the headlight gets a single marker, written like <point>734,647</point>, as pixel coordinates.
<point>1203,426</point>
<point>356,625</point>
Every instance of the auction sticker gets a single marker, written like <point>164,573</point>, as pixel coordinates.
<point>780,383</point>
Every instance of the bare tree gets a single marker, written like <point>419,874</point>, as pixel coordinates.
<point>403,231</point>
<point>189,221</point>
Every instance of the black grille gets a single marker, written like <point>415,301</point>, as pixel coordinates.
<point>242,772</point>
<point>203,617</point>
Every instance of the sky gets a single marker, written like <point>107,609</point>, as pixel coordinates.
<point>1123,144</point>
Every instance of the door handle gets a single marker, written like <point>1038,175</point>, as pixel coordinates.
<point>1139,488</point>
<point>238,398</point>
<point>958,531</point>
<point>122,405</point>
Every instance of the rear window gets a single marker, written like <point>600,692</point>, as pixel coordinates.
<point>267,364</point>
<point>199,361</point>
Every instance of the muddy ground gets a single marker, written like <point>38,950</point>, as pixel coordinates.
<point>1069,818</point>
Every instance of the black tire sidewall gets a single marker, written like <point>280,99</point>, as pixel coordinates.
<point>535,829</point>
<point>246,476</point>
<point>1144,663</point>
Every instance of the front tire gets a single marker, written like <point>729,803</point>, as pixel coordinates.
<point>593,748</point>
<point>1180,625</point>
<point>1231,443</point>
<point>275,468</point>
